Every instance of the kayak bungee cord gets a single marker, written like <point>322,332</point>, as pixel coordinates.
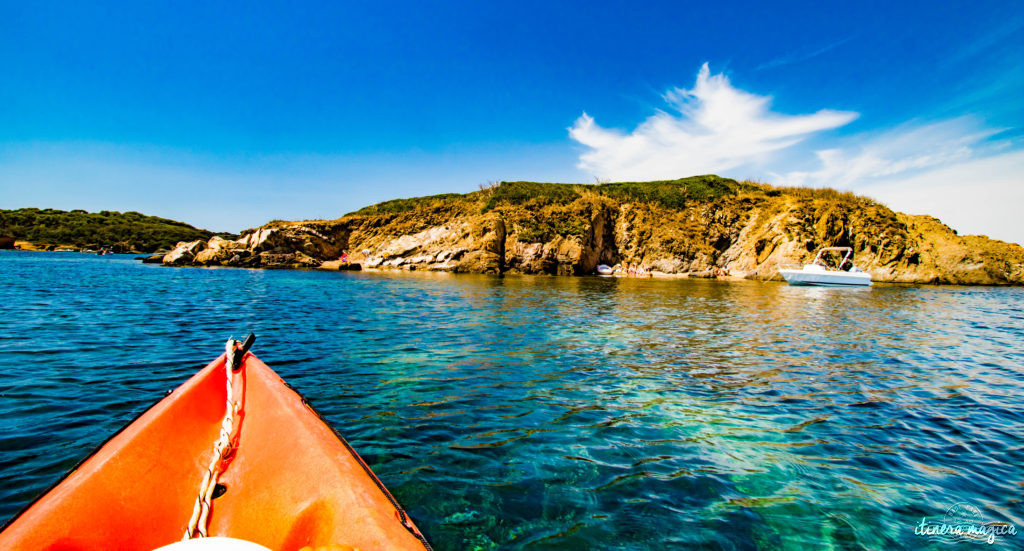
<point>222,448</point>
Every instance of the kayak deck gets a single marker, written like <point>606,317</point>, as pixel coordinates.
<point>290,482</point>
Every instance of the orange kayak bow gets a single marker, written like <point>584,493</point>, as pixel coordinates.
<point>283,479</point>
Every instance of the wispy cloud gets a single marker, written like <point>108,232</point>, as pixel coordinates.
<point>949,169</point>
<point>906,149</point>
<point>797,57</point>
<point>984,45</point>
<point>967,174</point>
<point>714,127</point>
<point>977,196</point>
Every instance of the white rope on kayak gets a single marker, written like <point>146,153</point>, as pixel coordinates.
<point>200,520</point>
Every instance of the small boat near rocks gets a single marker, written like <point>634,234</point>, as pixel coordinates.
<point>818,272</point>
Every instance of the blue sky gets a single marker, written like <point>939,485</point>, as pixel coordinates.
<point>229,115</point>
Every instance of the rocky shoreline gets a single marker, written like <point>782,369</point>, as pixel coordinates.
<point>744,230</point>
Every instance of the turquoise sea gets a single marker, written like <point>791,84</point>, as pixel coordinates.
<point>560,413</point>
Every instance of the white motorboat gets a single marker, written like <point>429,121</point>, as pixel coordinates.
<point>819,272</point>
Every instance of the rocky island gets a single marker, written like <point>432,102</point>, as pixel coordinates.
<point>696,225</point>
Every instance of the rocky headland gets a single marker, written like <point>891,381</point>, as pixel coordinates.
<point>698,225</point>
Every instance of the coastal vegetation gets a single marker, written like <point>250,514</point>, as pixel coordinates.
<point>667,193</point>
<point>81,230</point>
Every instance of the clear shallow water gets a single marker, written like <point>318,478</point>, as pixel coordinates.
<point>561,413</point>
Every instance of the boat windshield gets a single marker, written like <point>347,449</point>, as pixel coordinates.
<point>834,258</point>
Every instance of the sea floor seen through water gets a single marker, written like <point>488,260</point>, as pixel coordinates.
<point>559,413</point>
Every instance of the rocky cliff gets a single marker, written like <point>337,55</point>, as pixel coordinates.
<point>691,226</point>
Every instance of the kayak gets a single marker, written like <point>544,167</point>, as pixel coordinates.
<point>234,452</point>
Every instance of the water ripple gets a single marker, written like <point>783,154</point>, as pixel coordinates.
<point>533,412</point>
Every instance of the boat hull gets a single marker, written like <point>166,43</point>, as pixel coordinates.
<point>826,278</point>
<point>291,482</point>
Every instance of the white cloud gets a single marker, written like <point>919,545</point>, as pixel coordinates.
<point>976,196</point>
<point>905,149</point>
<point>951,169</point>
<point>715,127</point>
<point>797,57</point>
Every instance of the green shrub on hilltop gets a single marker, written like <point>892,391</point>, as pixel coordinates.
<point>128,231</point>
<point>827,194</point>
<point>667,193</point>
<point>675,193</point>
<point>412,203</point>
<point>541,210</point>
<point>536,193</point>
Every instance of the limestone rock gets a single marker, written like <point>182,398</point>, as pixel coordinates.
<point>337,265</point>
<point>182,253</point>
<point>479,262</point>
<point>296,259</point>
<point>217,243</point>
<point>211,257</point>
<point>667,265</point>
<point>405,244</point>
<point>293,238</point>
<point>422,259</point>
